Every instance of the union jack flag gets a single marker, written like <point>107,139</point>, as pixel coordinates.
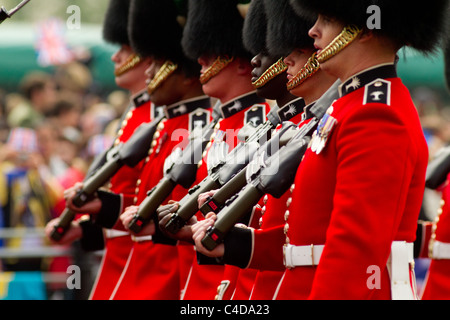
<point>51,46</point>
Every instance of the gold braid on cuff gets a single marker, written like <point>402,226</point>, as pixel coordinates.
<point>132,61</point>
<point>311,67</point>
<point>276,69</point>
<point>218,65</point>
<point>164,72</point>
<point>348,34</point>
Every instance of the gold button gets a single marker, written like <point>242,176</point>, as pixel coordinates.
<point>286,215</point>
<point>265,199</point>
<point>288,202</point>
<point>286,228</point>
<point>263,210</point>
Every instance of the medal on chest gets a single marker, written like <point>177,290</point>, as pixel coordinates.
<point>323,131</point>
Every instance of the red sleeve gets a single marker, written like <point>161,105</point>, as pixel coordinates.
<point>268,249</point>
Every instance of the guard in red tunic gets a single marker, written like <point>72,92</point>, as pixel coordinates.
<point>130,74</point>
<point>213,35</point>
<point>434,236</point>
<point>436,246</point>
<point>151,269</point>
<point>360,199</point>
<point>351,219</point>
<point>297,47</point>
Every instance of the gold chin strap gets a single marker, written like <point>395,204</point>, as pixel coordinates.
<point>164,72</point>
<point>311,67</point>
<point>347,35</point>
<point>215,68</point>
<point>132,61</point>
<point>276,69</point>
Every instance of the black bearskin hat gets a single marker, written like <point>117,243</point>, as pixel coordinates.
<point>446,49</point>
<point>405,22</point>
<point>116,21</point>
<point>285,29</point>
<point>155,30</point>
<point>214,27</point>
<point>254,32</point>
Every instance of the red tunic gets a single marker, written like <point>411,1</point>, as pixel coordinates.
<point>437,285</point>
<point>152,269</point>
<point>123,182</point>
<point>264,283</point>
<point>360,191</point>
<point>204,280</point>
<point>267,281</point>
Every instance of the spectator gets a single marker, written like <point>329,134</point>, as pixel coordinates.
<point>40,92</point>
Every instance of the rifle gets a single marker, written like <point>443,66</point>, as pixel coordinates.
<point>129,153</point>
<point>261,177</point>
<point>5,14</point>
<point>180,169</point>
<point>236,182</point>
<point>438,169</point>
<point>226,168</point>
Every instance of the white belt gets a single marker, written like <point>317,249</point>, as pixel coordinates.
<point>113,233</point>
<point>141,238</point>
<point>441,250</point>
<point>401,271</point>
<point>400,265</point>
<point>296,256</point>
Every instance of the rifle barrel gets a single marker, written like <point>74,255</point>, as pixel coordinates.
<point>189,205</point>
<point>230,215</point>
<point>151,203</point>
<point>63,225</point>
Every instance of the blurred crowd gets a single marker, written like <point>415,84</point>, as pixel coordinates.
<point>51,128</point>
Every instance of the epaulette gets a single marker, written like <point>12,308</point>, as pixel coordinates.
<point>378,91</point>
<point>199,118</point>
<point>256,115</point>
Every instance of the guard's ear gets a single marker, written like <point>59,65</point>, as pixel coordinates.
<point>243,66</point>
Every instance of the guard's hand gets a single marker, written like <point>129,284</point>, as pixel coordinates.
<point>128,215</point>
<point>72,234</point>
<point>199,232</point>
<point>164,213</point>
<point>93,206</point>
<point>204,196</point>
